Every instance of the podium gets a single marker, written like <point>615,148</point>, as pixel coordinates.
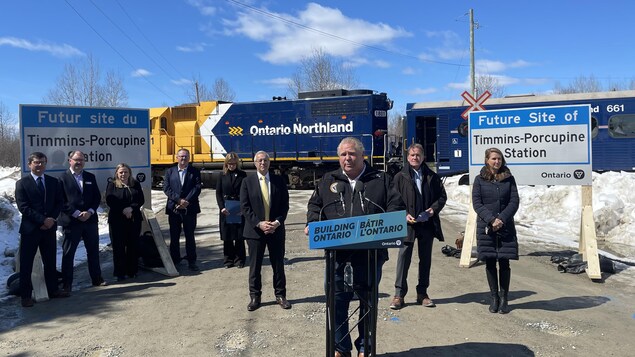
<point>370,233</point>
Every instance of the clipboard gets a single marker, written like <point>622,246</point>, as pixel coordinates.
<point>235,216</point>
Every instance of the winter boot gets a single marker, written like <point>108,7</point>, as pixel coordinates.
<point>505,276</point>
<point>492,280</point>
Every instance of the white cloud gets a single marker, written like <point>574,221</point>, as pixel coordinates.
<point>409,71</point>
<point>421,91</point>
<point>490,66</point>
<point>280,82</point>
<point>290,37</point>
<point>141,73</point>
<point>62,51</point>
<point>202,7</point>
<point>181,82</point>
<point>200,47</point>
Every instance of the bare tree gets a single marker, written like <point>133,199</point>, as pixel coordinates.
<point>486,82</point>
<point>222,90</point>
<point>199,91</point>
<point>320,71</point>
<point>80,84</point>
<point>9,138</point>
<point>580,84</point>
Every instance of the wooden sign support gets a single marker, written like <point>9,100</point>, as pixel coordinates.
<point>40,293</point>
<point>469,238</point>
<point>588,241</point>
<point>168,268</point>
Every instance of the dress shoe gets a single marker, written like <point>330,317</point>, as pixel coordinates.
<point>254,304</point>
<point>193,267</point>
<point>28,302</point>
<point>60,294</point>
<point>342,354</point>
<point>240,265</point>
<point>424,299</point>
<point>99,282</point>
<point>397,303</point>
<point>283,302</point>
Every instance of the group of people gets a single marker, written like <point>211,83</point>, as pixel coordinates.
<point>71,201</point>
<point>253,209</point>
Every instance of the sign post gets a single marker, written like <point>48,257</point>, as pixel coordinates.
<point>542,146</point>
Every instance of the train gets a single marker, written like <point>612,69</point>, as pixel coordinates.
<point>301,135</point>
<point>443,132</point>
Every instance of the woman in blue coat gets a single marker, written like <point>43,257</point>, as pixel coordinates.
<point>495,200</point>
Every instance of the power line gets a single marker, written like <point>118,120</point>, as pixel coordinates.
<point>131,40</point>
<point>327,34</point>
<point>117,52</point>
<point>147,39</point>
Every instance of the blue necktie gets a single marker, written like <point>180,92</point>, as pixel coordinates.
<point>40,185</point>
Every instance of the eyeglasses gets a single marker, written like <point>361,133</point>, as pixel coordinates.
<point>34,162</point>
<point>182,156</point>
<point>78,159</point>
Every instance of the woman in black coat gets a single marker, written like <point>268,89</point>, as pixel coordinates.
<point>228,193</point>
<point>495,200</point>
<point>125,198</point>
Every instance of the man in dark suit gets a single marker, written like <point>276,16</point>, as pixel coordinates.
<point>39,200</point>
<point>79,219</point>
<point>264,200</point>
<point>182,185</point>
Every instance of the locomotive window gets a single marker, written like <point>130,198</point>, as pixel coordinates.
<point>462,129</point>
<point>164,123</point>
<point>594,127</point>
<point>340,107</point>
<point>622,126</point>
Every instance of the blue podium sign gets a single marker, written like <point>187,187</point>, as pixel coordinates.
<point>383,230</point>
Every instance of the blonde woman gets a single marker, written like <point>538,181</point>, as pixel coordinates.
<point>228,189</point>
<point>125,198</point>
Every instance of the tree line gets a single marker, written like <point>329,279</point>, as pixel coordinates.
<point>83,84</point>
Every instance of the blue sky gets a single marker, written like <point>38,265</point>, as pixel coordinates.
<point>413,50</point>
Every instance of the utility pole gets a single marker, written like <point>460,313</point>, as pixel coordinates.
<point>472,75</point>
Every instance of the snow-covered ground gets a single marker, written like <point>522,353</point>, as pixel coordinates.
<point>548,216</point>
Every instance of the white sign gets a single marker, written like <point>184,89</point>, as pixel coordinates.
<point>106,136</point>
<point>542,145</point>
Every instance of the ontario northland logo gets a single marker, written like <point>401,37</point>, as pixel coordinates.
<point>235,131</point>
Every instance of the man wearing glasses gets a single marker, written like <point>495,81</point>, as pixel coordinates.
<point>39,199</point>
<point>79,219</point>
<point>182,185</point>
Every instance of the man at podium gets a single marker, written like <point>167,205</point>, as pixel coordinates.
<point>354,190</point>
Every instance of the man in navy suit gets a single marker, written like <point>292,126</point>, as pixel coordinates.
<point>264,201</point>
<point>39,199</point>
<point>79,219</point>
<point>182,185</point>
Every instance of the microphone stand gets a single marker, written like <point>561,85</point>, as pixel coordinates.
<point>370,328</point>
<point>330,294</point>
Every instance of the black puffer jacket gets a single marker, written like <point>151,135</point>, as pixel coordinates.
<point>495,197</point>
<point>377,188</point>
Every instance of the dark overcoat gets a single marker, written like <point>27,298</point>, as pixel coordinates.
<point>405,185</point>
<point>228,188</point>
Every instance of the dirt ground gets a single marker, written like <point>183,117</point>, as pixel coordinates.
<point>205,313</point>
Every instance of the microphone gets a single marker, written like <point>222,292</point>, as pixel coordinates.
<point>359,188</point>
<point>339,188</point>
